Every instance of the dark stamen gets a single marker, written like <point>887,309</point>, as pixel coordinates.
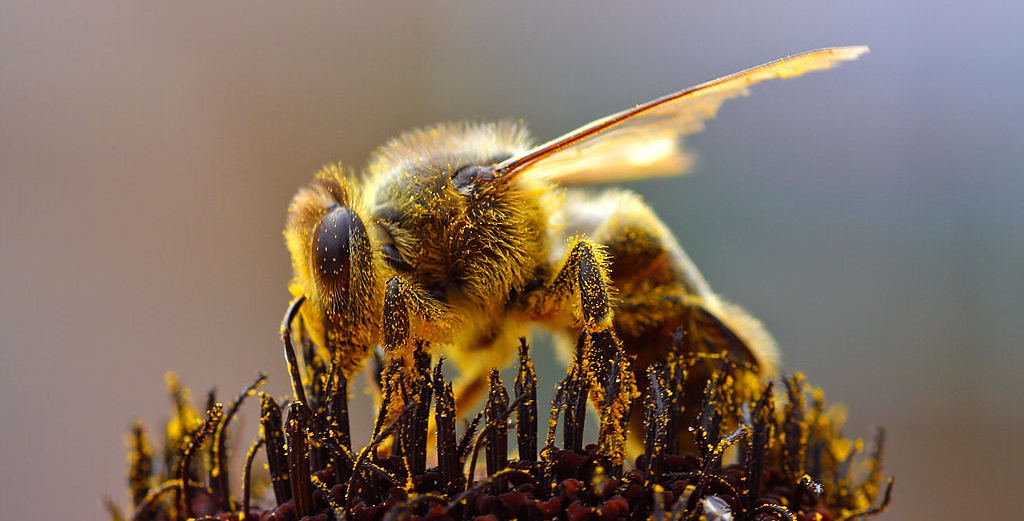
<point>298,460</point>
<point>247,476</point>
<point>794,429</point>
<point>761,424</point>
<point>140,463</point>
<point>497,424</point>
<point>526,395</point>
<point>655,423</point>
<point>277,458</point>
<point>448,459</point>
<point>195,440</point>
<point>219,469</point>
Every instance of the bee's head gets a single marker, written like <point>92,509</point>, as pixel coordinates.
<point>333,258</point>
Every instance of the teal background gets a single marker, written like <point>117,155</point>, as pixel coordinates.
<point>872,216</point>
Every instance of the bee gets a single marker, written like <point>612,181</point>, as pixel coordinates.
<point>462,235</point>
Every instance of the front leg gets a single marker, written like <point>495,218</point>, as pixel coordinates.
<point>410,317</point>
<point>410,313</point>
<point>395,321</point>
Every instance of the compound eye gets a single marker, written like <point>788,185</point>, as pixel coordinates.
<point>466,178</point>
<point>331,246</point>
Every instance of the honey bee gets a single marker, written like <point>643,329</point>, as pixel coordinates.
<point>462,235</point>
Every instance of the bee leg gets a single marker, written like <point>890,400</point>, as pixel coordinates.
<point>468,390</point>
<point>395,322</point>
<point>410,314</point>
<point>577,293</point>
<point>475,361</point>
<point>397,325</point>
<point>581,284</point>
<point>411,317</point>
<point>711,325</point>
<point>581,274</point>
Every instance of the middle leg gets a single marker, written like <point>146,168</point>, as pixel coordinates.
<point>578,298</point>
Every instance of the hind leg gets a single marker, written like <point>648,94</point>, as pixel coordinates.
<point>493,346</point>
<point>660,290</point>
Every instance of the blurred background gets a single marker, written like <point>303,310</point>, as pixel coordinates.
<point>872,216</point>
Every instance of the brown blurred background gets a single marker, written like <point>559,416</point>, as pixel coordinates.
<point>872,216</point>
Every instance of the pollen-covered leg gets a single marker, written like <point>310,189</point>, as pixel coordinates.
<point>578,294</point>
<point>658,287</point>
<point>396,318</point>
<point>410,314</point>
<point>409,321</point>
<point>578,297</point>
<point>659,290</point>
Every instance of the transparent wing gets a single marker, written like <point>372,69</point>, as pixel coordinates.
<point>645,141</point>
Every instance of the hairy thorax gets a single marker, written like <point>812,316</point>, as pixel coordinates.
<point>471,250</point>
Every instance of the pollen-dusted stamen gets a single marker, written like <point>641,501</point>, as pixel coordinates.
<point>140,463</point>
<point>497,423</point>
<point>247,477</point>
<point>218,470</point>
<point>526,414</point>
<point>709,421</point>
<point>575,388</point>
<point>619,393</point>
<point>298,459</point>
<point>183,421</point>
<point>277,458</point>
<point>289,349</point>
<point>448,459</point>
<point>840,479</point>
<point>795,429</point>
<point>761,426</point>
<point>416,387</point>
<point>214,414</point>
<point>656,419</point>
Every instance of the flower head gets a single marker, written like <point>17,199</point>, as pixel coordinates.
<point>750,451</point>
